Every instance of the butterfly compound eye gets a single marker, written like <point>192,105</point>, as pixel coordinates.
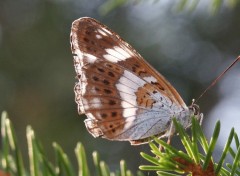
<point>195,108</point>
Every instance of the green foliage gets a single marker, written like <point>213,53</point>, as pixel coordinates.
<point>192,161</point>
<point>196,159</point>
<point>39,165</point>
<point>214,5</point>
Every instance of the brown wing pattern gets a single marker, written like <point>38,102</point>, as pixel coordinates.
<point>117,89</point>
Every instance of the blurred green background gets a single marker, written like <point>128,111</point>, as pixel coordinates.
<point>190,47</point>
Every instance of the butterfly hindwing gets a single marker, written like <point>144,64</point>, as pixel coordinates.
<point>123,97</point>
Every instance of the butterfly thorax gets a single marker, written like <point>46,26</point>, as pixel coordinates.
<point>185,116</point>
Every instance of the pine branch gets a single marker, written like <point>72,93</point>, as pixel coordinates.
<point>192,161</point>
<point>169,161</point>
<point>39,165</point>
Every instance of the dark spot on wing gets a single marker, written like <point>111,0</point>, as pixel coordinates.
<point>103,115</point>
<point>86,39</point>
<point>112,102</point>
<point>111,74</point>
<point>100,70</point>
<point>95,78</point>
<point>107,91</point>
<point>158,85</point>
<point>114,114</point>
<point>106,82</point>
<point>97,89</point>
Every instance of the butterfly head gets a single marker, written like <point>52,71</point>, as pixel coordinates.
<point>195,109</point>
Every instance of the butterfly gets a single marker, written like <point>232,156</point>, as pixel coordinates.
<point>123,96</point>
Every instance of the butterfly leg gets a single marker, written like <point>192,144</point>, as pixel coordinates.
<point>201,118</point>
<point>169,136</point>
<point>171,131</point>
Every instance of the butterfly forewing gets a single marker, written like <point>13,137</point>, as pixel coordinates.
<point>123,97</point>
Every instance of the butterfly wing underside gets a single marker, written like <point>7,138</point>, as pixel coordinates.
<point>123,97</point>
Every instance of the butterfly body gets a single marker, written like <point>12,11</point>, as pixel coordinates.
<point>123,97</point>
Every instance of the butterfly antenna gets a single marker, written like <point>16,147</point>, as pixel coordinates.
<point>219,77</point>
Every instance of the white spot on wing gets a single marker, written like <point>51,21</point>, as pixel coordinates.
<point>111,58</point>
<point>128,110</point>
<point>127,94</point>
<point>105,30</point>
<point>84,56</point>
<point>95,103</point>
<point>127,86</point>
<point>126,105</point>
<point>131,80</point>
<point>150,79</point>
<point>98,36</point>
<point>90,58</point>
<point>122,52</point>
<point>118,53</point>
<point>102,32</point>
